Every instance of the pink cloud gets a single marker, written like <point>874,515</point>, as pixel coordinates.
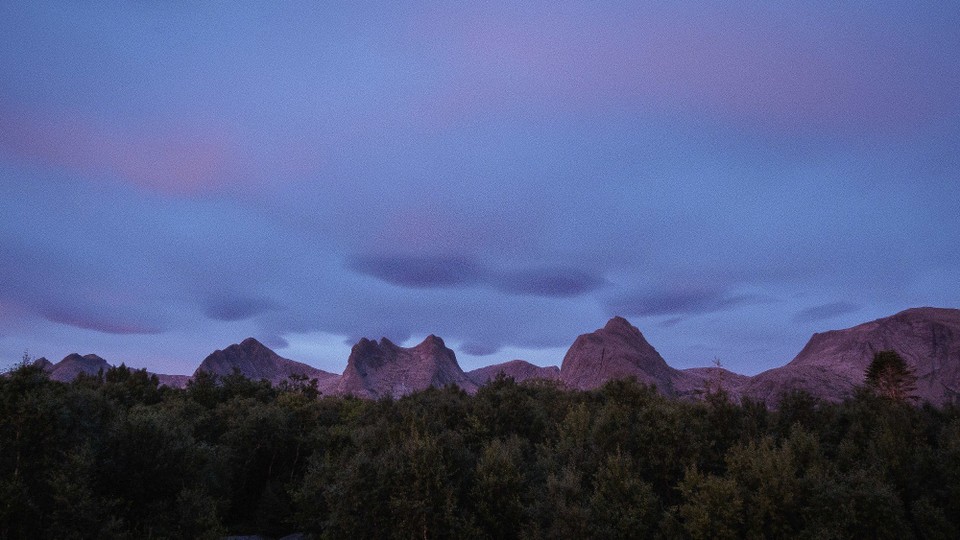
<point>171,161</point>
<point>99,324</point>
<point>757,68</point>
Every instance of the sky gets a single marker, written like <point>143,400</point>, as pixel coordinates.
<point>731,177</point>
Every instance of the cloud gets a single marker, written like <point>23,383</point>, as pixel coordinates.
<point>275,342</point>
<point>678,302</point>
<point>826,311</point>
<point>474,348</point>
<point>237,308</point>
<point>98,322</point>
<point>172,160</point>
<point>549,282</point>
<point>784,75</point>
<point>420,271</point>
<point>527,157</point>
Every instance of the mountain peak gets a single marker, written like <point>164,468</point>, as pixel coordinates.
<point>73,364</point>
<point>617,322</point>
<point>431,342</point>
<point>256,361</point>
<point>615,351</point>
<point>620,325</point>
<point>251,343</point>
<point>389,370</point>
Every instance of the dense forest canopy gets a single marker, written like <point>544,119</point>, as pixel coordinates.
<point>117,456</point>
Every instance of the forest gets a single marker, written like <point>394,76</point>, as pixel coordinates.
<point>118,456</point>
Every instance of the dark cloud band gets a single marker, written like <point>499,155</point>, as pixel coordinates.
<point>458,272</point>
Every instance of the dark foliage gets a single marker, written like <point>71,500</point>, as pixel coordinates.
<point>889,376</point>
<point>116,456</point>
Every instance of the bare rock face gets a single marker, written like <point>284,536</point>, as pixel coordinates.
<point>72,365</point>
<point>618,350</point>
<point>833,363</point>
<point>383,369</point>
<point>519,370</point>
<point>256,361</point>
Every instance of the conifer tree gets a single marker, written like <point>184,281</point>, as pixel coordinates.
<point>889,376</point>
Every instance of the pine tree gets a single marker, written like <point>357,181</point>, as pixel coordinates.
<point>889,376</point>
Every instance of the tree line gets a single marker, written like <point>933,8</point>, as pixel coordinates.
<point>118,456</point>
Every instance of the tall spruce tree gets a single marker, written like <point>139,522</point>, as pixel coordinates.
<point>889,376</point>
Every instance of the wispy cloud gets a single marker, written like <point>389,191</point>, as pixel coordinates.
<point>679,302</point>
<point>826,311</point>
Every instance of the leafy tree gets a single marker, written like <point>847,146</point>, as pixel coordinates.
<point>622,504</point>
<point>499,492</point>
<point>889,376</point>
<point>712,507</point>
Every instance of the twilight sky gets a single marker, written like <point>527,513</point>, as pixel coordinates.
<point>731,177</point>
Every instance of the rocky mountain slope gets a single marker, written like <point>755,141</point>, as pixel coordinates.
<point>617,350</point>
<point>833,363</point>
<point>73,364</point>
<point>256,361</point>
<point>519,370</point>
<point>830,366</point>
<point>381,369</point>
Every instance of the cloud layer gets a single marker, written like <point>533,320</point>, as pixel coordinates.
<point>731,178</point>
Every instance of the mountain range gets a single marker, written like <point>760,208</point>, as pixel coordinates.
<point>830,366</point>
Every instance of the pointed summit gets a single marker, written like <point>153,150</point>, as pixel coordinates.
<point>256,361</point>
<point>431,342</point>
<point>619,324</point>
<point>384,369</point>
<point>617,350</point>
<point>252,344</point>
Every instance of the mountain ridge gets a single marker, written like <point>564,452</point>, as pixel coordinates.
<point>380,369</point>
<point>829,366</point>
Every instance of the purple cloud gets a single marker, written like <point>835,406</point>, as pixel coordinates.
<point>510,174</point>
<point>478,349</point>
<point>548,282</point>
<point>797,69</point>
<point>416,271</point>
<point>420,271</point>
<point>237,308</point>
<point>825,311</point>
<point>275,342</point>
<point>97,322</point>
<point>173,160</point>
<point>678,302</point>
